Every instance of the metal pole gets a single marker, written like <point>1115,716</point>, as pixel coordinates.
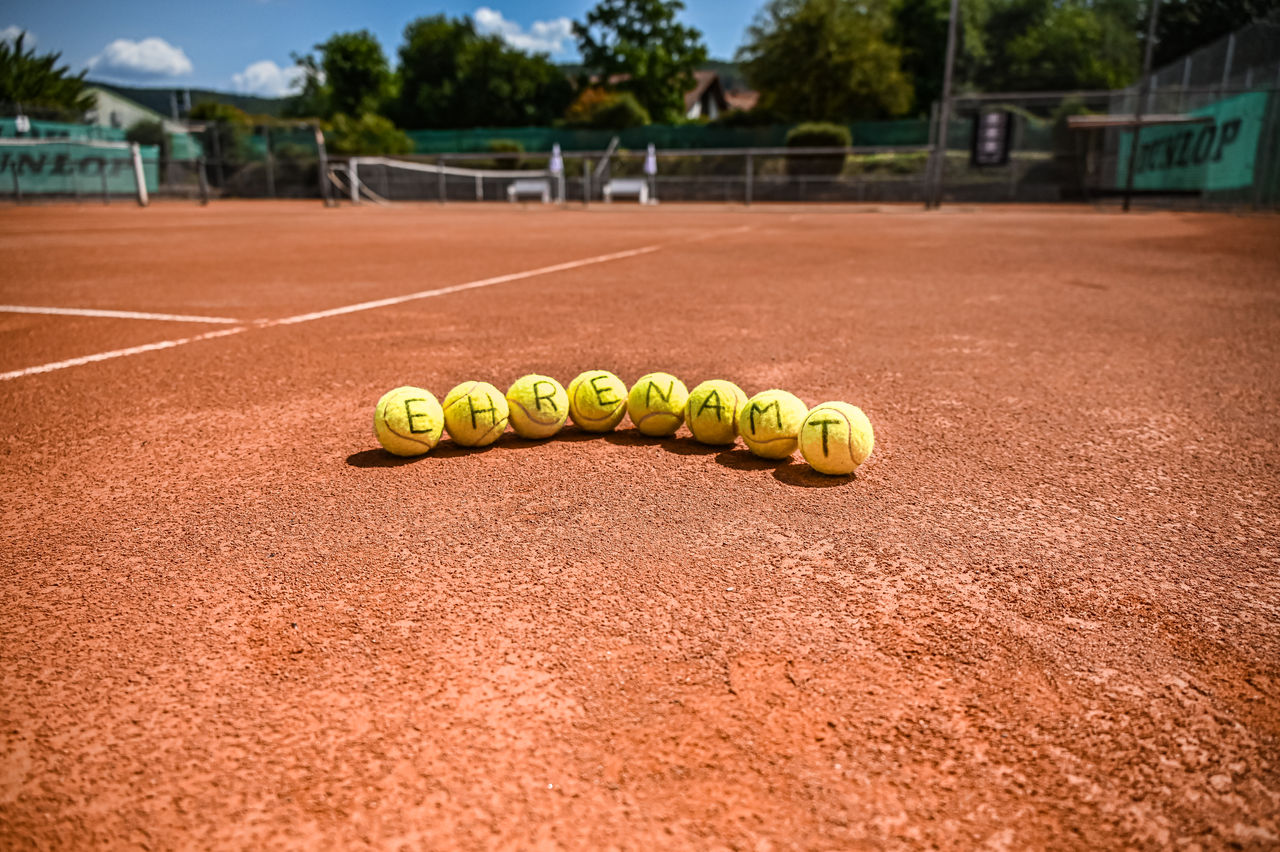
<point>440,179</point>
<point>139,174</point>
<point>353,174</point>
<point>944,117</point>
<point>17,182</point>
<point>217,154</point>
<point>1226,66</point>
<point>586,181</point>
<point>1143,85</point>
<point>750,170</point>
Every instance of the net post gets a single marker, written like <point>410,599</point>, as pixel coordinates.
<point>479,189</point>
<point>322,164</point>
<point>440,182</point>
<point>353,172</point>
<point>203,180</point>
<point>135,152</point>
<point>750,176</point>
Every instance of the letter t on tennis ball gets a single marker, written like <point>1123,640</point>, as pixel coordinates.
<point>656,404</point>
<point>835,438</point>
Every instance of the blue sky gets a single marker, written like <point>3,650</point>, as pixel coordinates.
<point>244,45</point>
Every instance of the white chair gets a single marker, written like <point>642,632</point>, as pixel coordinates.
<point>538,188</point>
<point>628,187</point>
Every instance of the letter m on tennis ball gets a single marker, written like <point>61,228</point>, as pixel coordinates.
<point>823,424</point>
<point>604,395</point>
<point>763,411</point>
<point>411,415</point>
<point>549,398</point>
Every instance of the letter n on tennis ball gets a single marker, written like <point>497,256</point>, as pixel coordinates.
<point>656,404</point>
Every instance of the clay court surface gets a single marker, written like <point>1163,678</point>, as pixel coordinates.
<point>1044,614</point>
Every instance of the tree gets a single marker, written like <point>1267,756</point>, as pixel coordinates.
<point>639,46</point>
<point>28,80</point>
<point>1038,45</point>
<point>598,109</point>
<point>366,135</point>
<point>356,78</point>
<point>452,76</point>
<point>1185,25</point>
<point>827,60</point>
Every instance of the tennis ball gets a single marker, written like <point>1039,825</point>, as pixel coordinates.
<point>597,400</point>
<point>769,423</point>
<point>712,411</point>
<point>408,421</point>
<point>836,437</point>
<point>475,413</point>
<point>538,406</point>
<point>656,404</point>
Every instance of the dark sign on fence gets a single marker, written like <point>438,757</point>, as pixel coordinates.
<point>991,137</point>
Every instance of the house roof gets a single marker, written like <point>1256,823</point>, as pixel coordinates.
<point>702,82</point>
<point>743,100</point>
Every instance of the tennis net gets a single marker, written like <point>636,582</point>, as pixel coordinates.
<point>383,180</point>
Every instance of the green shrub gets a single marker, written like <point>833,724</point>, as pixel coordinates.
<point>817,135</point>
<point>512,148</point>
<point>370,134</point>
<point>598,110</point>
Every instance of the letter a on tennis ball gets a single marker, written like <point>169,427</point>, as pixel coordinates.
<point>538,405</point>
<point>475,413</point>
<point>597,400</point>
<point>712,411</point>
<point>835,438</point>
<point>769,423</point>
<point>408,421</point>
<point>656,404</point>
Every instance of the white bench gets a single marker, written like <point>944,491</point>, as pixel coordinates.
<point>627,187</point>
<point>539,188</point>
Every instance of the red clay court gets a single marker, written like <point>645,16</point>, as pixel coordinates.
<point>1044,614</point>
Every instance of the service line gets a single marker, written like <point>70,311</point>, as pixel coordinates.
<point>332,312</point>
<point>96,312</point>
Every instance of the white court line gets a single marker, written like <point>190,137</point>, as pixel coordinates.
<point>94,312</point>
<point>119,353</point>
<point>332,312</point>
<point>470,285</point>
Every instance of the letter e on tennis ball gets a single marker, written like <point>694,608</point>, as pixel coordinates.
<point>769,423</point>
<point>408,421</point>
<point>835,438</point>
<point>711,412</point>
<point>597,400</point>
<point>656,404</point>
<point>475,413</point>
<point>538,406</point>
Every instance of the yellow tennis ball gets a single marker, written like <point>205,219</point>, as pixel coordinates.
<point>408,421</point>
<point>712,411</point>
<point>475,413</point>
<point>538,406</point>
<point>597,400</point>
<point>656,404</point>
<point>769,423</point>
<point>836,437</point>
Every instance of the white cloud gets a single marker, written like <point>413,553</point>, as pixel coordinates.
<point>10,34</point>
<point>268,79</point>
<point>541,37</point>
<point>151,57</point>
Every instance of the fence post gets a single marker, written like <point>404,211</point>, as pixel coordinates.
<point>203,179</point>
<point>1226,66</point>
<point>271,166</point>
<point>1143,90</point>
<point>353,172</point>
<point>944,113</point>
<point>106,191</point>
<point>586,181</point>
<point>17,182</point>
<point>750,171</point>
<point>217,155</point>
<point>440,183</point>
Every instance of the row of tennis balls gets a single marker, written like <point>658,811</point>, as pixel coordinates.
<point>834,437</point>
